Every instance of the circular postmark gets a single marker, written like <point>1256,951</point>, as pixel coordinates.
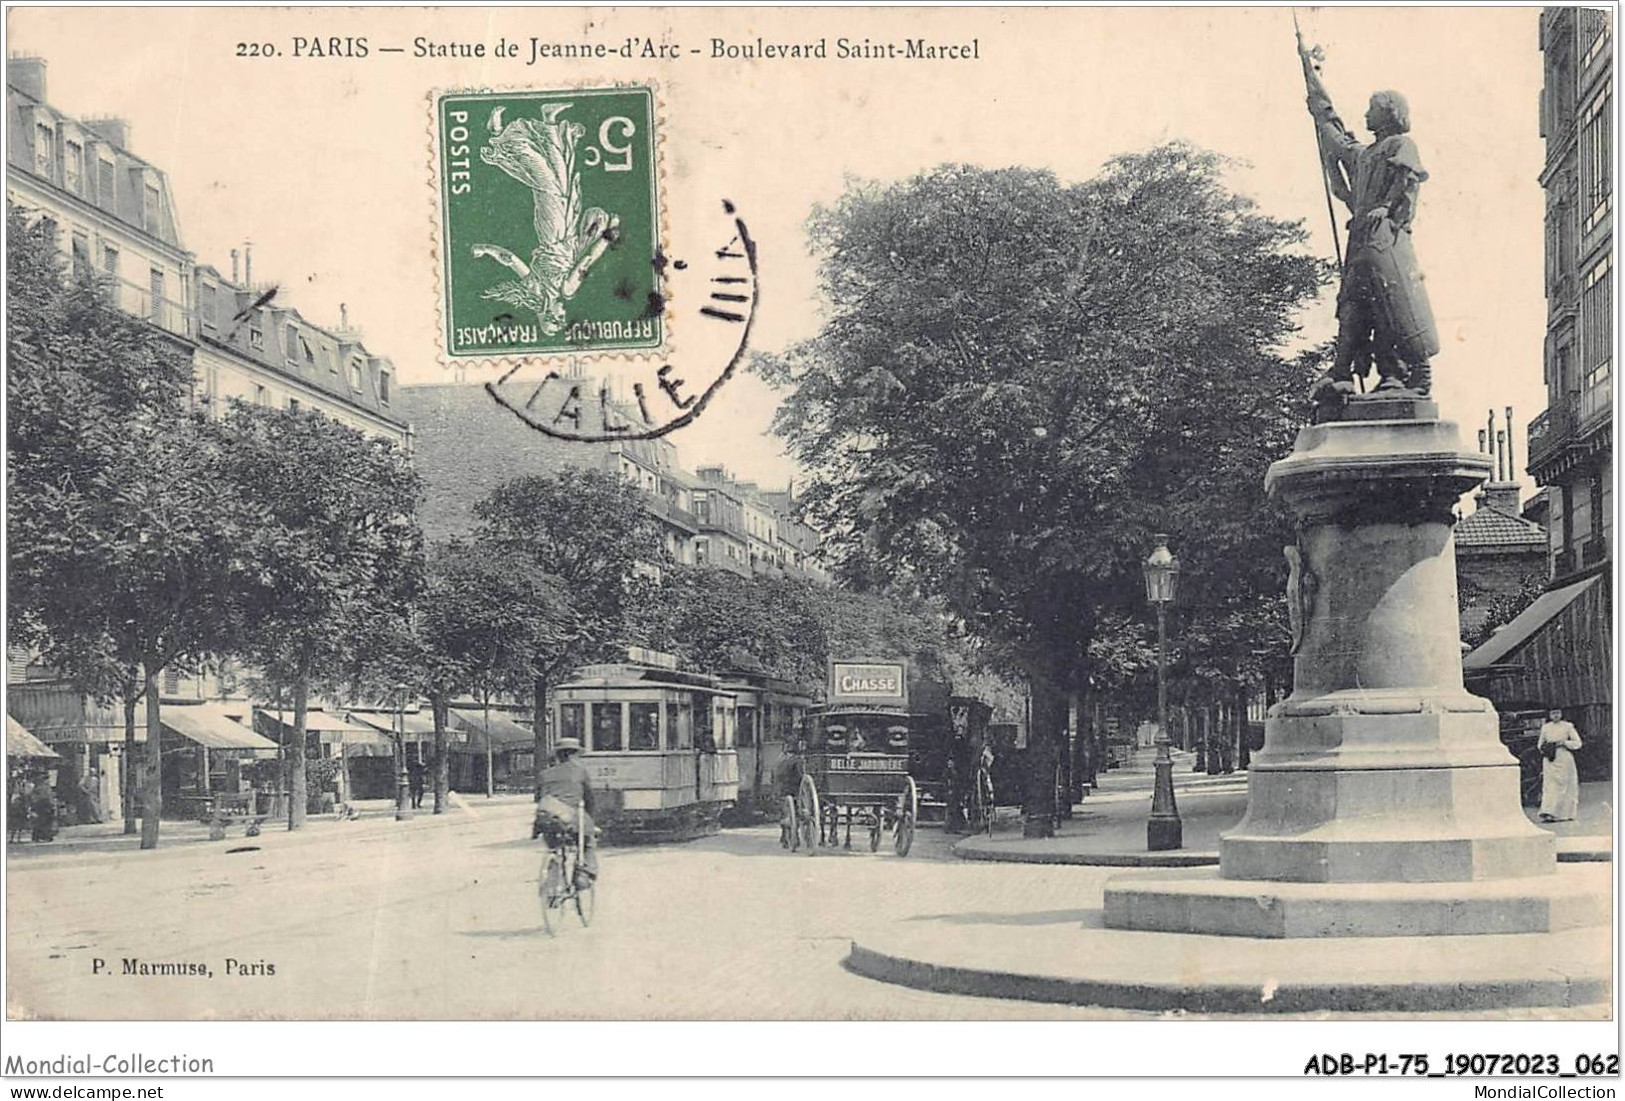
<point>557,269</point>
<point>653,396</point>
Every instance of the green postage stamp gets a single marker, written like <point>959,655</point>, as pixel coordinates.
<point>549,222</point>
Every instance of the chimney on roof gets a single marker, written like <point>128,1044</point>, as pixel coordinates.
<point>115,130</point>
<point>248,263</point>
<point>344,316</point>
<point>1481,448</point>
<point>1501,472</point>
<point>1512,471</point>
<point>27,75</point>
<point>235,279</point>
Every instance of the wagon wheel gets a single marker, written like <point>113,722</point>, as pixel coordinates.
<point>789,833</point>
<point>908,810</point>
<point>875,820</point>
<point>986,811</point>
<point>808,815</point>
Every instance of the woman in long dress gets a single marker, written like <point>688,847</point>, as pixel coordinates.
<point>1559,781</point>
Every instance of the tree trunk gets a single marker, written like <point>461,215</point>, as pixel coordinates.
<point>539,724</point>
<point>442,782</point>
<point>152,789</point>
<point>1069,753</point>
<point>1043,738</point>
<point>296,754</point>
<point>127,774</point>
<point>490,749</point>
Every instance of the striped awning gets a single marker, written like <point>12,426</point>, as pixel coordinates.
<point>210,727</point>
<point>328,727</point>
<point>20,743</point>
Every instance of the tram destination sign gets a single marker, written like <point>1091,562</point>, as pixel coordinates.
<point>868,682</point>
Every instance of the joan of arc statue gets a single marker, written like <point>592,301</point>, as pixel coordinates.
<point>1383,316</point>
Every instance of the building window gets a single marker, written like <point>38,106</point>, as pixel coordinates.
<point>256,340</point>
<point>1593,34</point>
<point>262,396</point>
<point>292,344</point>
<point>293,405</point>
<point>73,167</point>
<point>205,305</point>
<point>310,356</point>
<point>644,732</point>
<point>355,374</point>
<point>45,151</point>
<point>383,387</point>
<point>1596,160</point>
<point>151,209</point>
<point>110,260</point>
<point>81,254</point>
<point>1596,316</point>
<point>155,309</point>
<point>105,188</point>
<point>172,682</point>
<point>607,722</point>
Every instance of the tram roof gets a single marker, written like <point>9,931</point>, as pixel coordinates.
<point>624,673</point>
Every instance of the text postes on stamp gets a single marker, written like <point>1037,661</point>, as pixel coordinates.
<point>550,222</point>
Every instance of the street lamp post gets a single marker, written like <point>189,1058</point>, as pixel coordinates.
<point>403,806</point>
<point>1164,830</point>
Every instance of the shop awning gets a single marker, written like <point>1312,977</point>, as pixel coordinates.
<point>419,724</point>
<point>20,743</point>
<point>503,731</point>
<point>210,727</point>
<point>1525,626</point>
<point>326,726</point>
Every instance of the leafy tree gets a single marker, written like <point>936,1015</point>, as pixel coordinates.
<point>336,555</point>
<point>1019,382</point>
<point>1500,608</point>
<point>590,531</point>
<point>480,623</point>
<point>122,550</point>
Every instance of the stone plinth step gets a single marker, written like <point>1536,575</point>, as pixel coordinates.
<point>1572,897</point>
<point>1080,963</point>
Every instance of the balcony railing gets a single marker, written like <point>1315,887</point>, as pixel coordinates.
<point>1549,432</point>
<point>139,301</point>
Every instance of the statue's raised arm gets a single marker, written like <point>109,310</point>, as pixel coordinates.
<point>1383,316</point>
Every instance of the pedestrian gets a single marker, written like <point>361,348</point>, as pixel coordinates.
<point>414,770</point>
<point>22,791</point>
<point>42,813</point>
<point>1559,779</point>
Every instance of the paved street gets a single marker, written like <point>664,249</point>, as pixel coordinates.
<point>437,918</point>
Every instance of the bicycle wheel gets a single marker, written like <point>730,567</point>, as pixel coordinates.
<point>908,810</point>
<point>552,891</point>
<point>585,900</point>
<point>789,832</point>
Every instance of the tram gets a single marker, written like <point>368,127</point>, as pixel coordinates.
<point>772,718</point>
<point>658,744</point>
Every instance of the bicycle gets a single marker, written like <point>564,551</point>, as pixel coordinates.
<point>564,880</point>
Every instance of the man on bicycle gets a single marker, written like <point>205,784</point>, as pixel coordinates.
<point>566,800</point>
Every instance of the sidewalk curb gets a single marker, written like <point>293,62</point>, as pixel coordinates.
<point>973,849</point>
<point>1233,998</point>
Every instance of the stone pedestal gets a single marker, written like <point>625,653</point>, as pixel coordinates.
<point>1381,777</point>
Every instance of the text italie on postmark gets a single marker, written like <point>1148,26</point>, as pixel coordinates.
<point>550,248</point>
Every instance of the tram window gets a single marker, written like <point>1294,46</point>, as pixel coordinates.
<point>572,721</point>
<point>644,728</point>
<point>703,736</point>
<point>679,726</point>
<point>748,729</point>
<point>607,726</point>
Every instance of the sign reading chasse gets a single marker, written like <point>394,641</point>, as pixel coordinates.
<point>869,682</point>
